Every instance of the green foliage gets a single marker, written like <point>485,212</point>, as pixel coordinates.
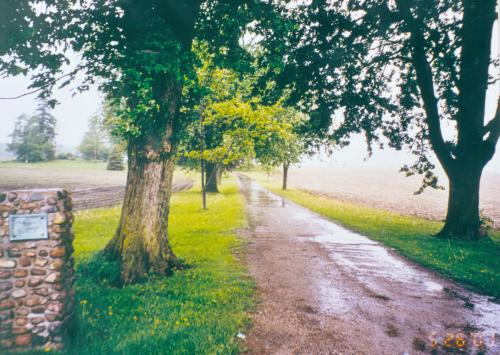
<point>288,146</point>
<point>136,51</point>
<point>394,71</point>
<point>33,138</point>
<point>198,310</point>
<point>474,264</point>
<point>236,125</point>
<point>244,128</point>
<point>93,145</point>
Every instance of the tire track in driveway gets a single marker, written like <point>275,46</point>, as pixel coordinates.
<point>326,290</point>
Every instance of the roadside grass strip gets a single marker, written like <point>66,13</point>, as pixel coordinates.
<point>197,310</point>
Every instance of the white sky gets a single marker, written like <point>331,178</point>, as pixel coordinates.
<point>73,113</point>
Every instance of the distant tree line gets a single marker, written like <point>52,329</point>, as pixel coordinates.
<point>33,138</point>
<point>98,144</point>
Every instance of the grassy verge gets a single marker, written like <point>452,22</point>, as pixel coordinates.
<point>473,264</point>
<point>195,311</point>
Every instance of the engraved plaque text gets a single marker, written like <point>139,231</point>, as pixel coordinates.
<point>28,227</point>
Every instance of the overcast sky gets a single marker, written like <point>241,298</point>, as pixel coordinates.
<point>73,113</point>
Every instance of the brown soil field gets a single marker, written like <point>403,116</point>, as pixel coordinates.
<point>72,175</point>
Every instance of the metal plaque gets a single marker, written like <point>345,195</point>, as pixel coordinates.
<point>28,227</point>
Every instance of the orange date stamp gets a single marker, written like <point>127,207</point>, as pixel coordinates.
<point>477,340</point>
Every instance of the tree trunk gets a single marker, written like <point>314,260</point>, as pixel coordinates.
<point>462,219</point>
<point>211,177</point>
<point>141,242</point>
<point>285,175</point>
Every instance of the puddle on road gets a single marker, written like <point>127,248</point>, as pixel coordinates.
<point>257,195</point>
<point>413,296</point>
<point>432,286</point>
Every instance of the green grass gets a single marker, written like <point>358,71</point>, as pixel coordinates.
<point>475,264</point>
<point>198,310</point>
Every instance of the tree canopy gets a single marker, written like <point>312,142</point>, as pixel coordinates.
<point>396,72</point>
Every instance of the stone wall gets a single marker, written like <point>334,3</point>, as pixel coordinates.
<point>36,277</point>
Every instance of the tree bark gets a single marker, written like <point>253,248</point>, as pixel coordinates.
<point>462,219</point>
<point>285,175</point>
<point>141,242</point>
<point>211,177</point>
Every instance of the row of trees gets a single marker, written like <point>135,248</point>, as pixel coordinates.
<point>398,70</point>
<point>231,123</point>
<point>388,69</point>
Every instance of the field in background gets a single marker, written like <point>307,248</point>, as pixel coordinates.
<point>386,189</point>
<point>69,174</point>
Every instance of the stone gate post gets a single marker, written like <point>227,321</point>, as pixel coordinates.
<point>36,269</point>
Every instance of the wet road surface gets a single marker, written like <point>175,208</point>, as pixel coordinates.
<point>327,290</point>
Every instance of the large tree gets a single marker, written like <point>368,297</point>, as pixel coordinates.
<point>401,70</point>
<point>139,54</point>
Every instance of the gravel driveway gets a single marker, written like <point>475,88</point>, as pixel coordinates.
<point>326,290</point>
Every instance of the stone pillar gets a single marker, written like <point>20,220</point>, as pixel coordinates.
<point>36,276</point>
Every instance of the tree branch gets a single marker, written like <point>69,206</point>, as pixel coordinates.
<point>426,86</point>
<point>475,59</point>
<point>38,89</point>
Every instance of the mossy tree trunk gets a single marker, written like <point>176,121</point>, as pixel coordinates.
<point>141,242</point>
